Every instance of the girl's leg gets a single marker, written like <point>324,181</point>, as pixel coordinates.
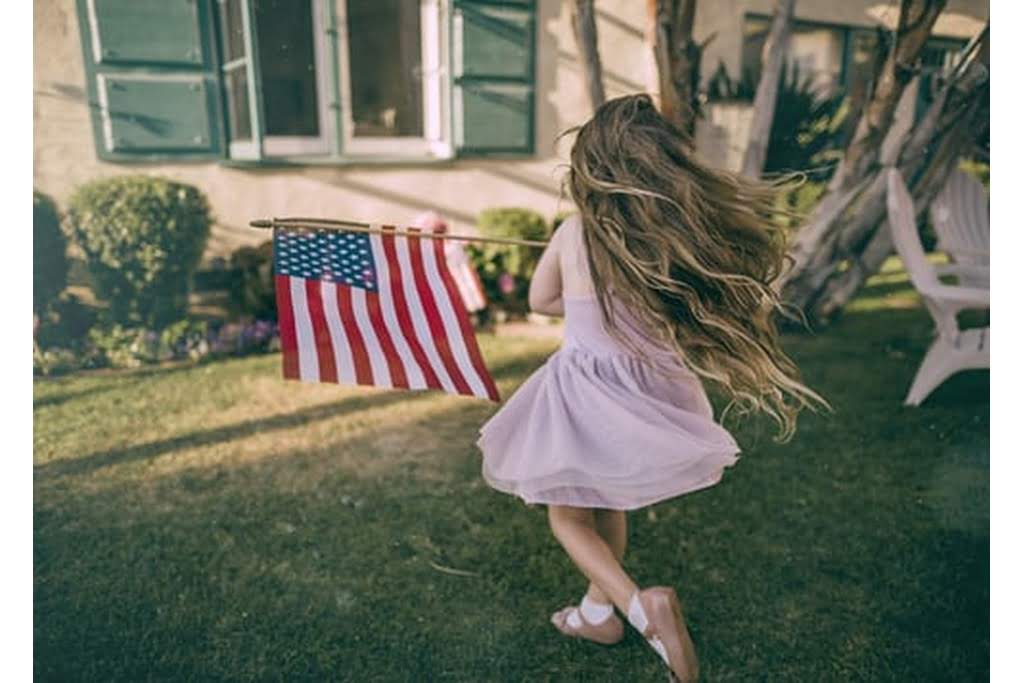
<point>610,526</point>
<point>576,531</point>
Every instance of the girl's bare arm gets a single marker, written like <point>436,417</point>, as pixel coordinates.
<point>546,285</point>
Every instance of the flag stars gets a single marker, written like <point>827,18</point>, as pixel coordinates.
<point>328,256</point>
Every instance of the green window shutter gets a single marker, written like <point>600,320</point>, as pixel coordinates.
<point>493,56</point>
<point>152,80</point>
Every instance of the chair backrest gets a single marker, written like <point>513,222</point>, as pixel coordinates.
<point>960,217</point>
<point>903,226</point>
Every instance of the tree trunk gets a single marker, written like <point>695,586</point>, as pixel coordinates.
<point>677,59</point>
<point>774,61</point>
<point>858,237</point>
<point>926,161</point>
<point>917,17</point>
<point>814,252</point>
<point>585,28</point>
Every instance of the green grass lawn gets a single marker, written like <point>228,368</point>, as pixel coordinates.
<point>213,522</point>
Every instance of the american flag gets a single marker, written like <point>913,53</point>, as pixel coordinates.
<point>374,309</point>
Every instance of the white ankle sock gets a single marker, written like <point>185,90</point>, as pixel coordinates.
<point>595,612</point>
<point>638,618</point>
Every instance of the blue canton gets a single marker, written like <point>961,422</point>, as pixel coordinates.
<point>328,255</point>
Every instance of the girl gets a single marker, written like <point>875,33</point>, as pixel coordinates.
<point>665,279</point>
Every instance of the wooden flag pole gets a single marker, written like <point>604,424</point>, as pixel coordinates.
<point>355,226</point>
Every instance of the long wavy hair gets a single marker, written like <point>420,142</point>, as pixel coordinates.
<point>690,252</point>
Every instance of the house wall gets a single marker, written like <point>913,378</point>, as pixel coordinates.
<point>724,19</point>
<point>64,154</point>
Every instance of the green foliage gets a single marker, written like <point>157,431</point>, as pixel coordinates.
<point>721,86</point>
<point>254,295</point>
<point>130,347</point>
<point>505,270</point>
<point>142,238</point>
<point>807,129</point>
<point>67,322</point>
<point>49,258</point>
<point>800,200</point>
<point>56,361</point>
<point>808,133</point>
<point>979,169</point>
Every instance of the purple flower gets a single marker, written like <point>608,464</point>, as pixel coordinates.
<point>506,283</point>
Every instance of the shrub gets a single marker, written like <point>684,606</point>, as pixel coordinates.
<point>49,258</point>
<point>66,323</point>
<point>254,295</point>
<point>54,361</point>
<point>505,270</point>
<point>142,238</point>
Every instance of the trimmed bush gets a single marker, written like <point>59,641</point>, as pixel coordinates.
<point>142,238</point>
<point>67,322</point>
<point>254,295</point>
<point>505,270</point>
<point>49,258</point>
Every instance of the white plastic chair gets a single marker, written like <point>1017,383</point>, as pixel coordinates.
<point>953,349</point>
<point>960,217</point>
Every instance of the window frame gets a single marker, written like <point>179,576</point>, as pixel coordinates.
<point>848,31</point>
<point>261,145</point>
<point>308,145</point>
<point>435,54</point>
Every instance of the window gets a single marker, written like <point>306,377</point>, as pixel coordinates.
<point>313,80</point>
<point>815,51</point>
<point>393,92</point>
<point>837,57</point>
<point>288,40</point>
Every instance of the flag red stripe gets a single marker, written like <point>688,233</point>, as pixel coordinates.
<point>286,327</point>
<point>398,378</point>
<point>437,330</point>
<point>321,333</point>
<point>360,358</point>
<point>467,328</point>
<point>402,313</point>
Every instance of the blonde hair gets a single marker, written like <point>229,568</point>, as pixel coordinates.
<point>690,251</point>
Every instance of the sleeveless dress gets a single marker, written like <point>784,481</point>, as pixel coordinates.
<point>599,426</point>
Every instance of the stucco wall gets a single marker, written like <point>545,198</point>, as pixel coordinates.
<point>64,155</point>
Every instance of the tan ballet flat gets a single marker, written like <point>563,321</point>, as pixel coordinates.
<point>656,613</point>
<point>570,621</point>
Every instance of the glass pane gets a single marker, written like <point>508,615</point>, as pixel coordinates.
<point>284,31</point>
<point>384,65</point>
<point>232,38</point>
<point>236,85</point>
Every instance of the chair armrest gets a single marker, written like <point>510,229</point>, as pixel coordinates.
<point>964,297</point>
<point>962,269</point>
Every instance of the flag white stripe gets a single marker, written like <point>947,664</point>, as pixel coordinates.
<point>342,351</point>
<point>471,295</point>
<point>378,363</point>
<point>451,324</point>
<point>413,373</point>
<point>419,318</point>
<point>309,365</point>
